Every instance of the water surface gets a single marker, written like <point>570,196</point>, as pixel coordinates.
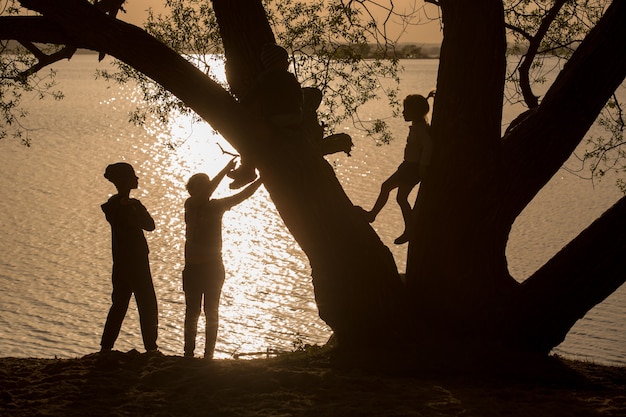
<point>55,256</point>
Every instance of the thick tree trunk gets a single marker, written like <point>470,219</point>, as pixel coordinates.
<point>457,272</point>
<point>457,260</point>
<point>237,20</point>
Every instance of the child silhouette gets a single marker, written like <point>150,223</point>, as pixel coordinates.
<point>131,267</point>
<point>203,275</point>
<point>417,156</point>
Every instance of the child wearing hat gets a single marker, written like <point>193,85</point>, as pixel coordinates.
<point>131,268</point>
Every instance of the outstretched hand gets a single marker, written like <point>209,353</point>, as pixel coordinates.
<point>232,163</point>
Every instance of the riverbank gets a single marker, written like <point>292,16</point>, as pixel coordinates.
<point>299,384</point>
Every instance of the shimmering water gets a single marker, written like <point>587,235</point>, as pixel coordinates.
<point>55,257</point>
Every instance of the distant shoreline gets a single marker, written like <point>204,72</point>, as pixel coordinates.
<point>401,51</point>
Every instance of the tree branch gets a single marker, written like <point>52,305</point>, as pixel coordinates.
<point>535,41</point>
<point>44,60</point>
<point>28,30</point>
<point>35,29</point>
<point>548,135</point>
<point>580,276</point>
<point>519,30</point>
<point>85,26</point>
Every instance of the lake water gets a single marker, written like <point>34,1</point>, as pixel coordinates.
<point>55,257</point>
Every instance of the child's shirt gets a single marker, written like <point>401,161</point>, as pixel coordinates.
<point>419,144</point>
<point>203,220</point>
<point>128,219</point>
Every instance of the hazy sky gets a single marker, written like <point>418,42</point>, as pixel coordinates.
<point>423,33</point>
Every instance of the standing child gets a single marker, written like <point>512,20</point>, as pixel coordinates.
<point>417,156</point>
<point>204,274</point>
<point>131,267</point>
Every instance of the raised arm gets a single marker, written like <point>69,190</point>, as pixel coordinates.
<point>233,200</point>
<point>215,182</point>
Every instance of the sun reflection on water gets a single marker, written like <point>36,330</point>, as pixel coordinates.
<point>267,293</point>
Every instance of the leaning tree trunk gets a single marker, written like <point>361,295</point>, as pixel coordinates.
<point>357,286</point>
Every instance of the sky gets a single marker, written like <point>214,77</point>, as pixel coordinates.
<point>426,32</point>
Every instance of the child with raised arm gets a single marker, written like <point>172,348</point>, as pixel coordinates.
<point>417,156</point>
<point>203,275</point>
<point>131,267</point>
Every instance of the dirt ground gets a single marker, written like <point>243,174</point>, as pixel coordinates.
<point>300,384</point>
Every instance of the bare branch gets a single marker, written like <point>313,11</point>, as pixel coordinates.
<point>519,30</point>
<point>535,41</point>
<point>44,60</point>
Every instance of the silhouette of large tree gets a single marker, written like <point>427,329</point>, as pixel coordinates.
<point>458,290</point>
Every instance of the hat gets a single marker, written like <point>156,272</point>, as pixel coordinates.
<point>118,172</point>
<point>272,53</point>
